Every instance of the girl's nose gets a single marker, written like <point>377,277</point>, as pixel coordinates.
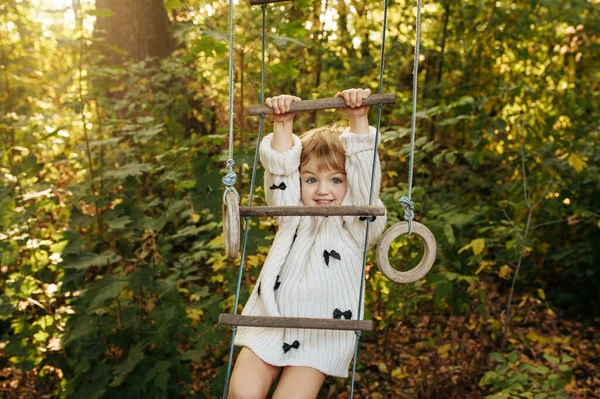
<point>322,188</point>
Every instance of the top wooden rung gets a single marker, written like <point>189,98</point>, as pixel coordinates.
<point>325,103</point>
<point>257,2</point>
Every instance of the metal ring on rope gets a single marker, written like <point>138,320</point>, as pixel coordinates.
<point>231,224</point>
<point>424,265</point>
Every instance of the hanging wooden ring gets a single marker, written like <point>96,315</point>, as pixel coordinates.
<point>231,224</point>
<point>430,247</point>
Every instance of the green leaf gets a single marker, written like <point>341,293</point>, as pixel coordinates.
<point>455,120</point>
<point>104,289</point>
<point>566,358</point>
<point>420,141</point>
<point>135,356</point>
<point>188,231</point>
<point>130,169</point>
<point>488,378</point>
<point>502,369</point>
<point>437,160</point>
<point>475,158</point>
<point>477,245</point>
<point>500,395</point>
<point>498,357</point>
<point>576,162</point>
<point>118,224</point>
<point>161,380</point>
<point>541,370</point>
<point>86,261</point>
<point>555,381</point>
<point>551,359</point>
<point>449,233</point>
<point>450,157</point>
<point>513,356</point>
<point>567,371</point>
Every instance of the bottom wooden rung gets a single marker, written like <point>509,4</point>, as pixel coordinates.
<point>295,322</point>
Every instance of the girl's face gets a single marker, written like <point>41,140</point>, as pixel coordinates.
<point>322,188</point>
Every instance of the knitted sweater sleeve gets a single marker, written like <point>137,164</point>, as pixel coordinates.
<point>359,165</point>
<point>282,175</point>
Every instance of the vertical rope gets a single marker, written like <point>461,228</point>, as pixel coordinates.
<point>406,201</point>
<point>230,178</point>
<point>250,196</point>
<point>371,195</point>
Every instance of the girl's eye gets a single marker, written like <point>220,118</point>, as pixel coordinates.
<point>311,180</point>
<point>337,180</point>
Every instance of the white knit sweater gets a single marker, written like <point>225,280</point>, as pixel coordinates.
<point>315,264</point>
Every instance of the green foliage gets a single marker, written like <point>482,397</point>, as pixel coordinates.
<point>111,261</point>
<point>517,378</point>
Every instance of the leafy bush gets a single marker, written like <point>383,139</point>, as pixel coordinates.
<point>517,378</point>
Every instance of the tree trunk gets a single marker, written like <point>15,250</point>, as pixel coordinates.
<point>140,27</point>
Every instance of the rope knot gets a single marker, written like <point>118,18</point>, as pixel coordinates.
<point>409,212</point>
<point>230,178</point>
<point>405,202</point>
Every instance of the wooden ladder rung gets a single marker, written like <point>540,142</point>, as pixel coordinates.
<point>333,210</point>
<point>257,2</point>
<point>295,322</point>
<point>324,103</point>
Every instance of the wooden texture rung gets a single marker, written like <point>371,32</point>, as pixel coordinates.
<point>257,2</point>
<point>333,210</point>
<point>295,322</point>
<point>324,103</point>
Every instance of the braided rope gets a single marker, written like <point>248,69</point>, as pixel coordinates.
<point>250,196</point>
<point>406,201</point>
<point>230,178</point>
<point>371,195</point>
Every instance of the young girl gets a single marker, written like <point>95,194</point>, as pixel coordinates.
<point>315,264</point>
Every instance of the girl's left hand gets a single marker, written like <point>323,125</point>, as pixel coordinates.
<point>353,99</point>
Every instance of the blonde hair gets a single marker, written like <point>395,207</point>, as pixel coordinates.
<point>323,145</point>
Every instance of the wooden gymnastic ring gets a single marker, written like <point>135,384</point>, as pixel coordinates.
<point>231,225</point>
<point>430,247</point>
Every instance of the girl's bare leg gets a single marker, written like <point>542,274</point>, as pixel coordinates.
<point>251,377</point>
<point>299,383</point>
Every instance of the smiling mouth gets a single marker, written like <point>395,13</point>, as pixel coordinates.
<point>324,202</point>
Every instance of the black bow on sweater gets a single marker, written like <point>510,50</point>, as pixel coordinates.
<point>337,314</point>
<point>330,254</point>
<point>363,218</point>
<point>287,347</point>
<point>281,186</point>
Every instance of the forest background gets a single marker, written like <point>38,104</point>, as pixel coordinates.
<point>113,135</point>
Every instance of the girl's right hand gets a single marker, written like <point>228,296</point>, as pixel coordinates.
<point>281,107</point>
